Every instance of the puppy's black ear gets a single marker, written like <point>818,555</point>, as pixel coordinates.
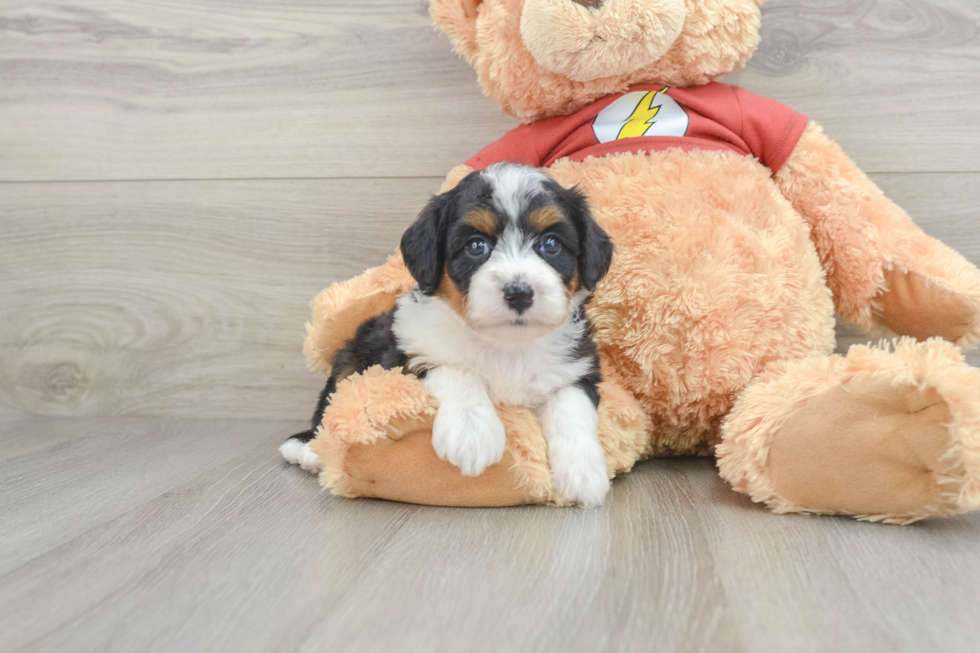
<point>423,244</point>
<point>595,248</point>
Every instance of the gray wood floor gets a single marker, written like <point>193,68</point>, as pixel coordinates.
<point>179,177</point>
<point>190,535</point>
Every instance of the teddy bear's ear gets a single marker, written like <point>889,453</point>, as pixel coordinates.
<point>457,19</point>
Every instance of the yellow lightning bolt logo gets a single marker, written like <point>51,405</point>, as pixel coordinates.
<point>642,117</point>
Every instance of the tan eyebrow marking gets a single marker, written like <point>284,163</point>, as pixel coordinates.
<point>482,219</point>
<point>544,217</point>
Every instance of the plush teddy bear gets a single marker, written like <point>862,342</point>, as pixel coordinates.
<point>740,230</point>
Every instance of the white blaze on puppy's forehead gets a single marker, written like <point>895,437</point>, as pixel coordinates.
<point>514,186</point>
<point>513,245</point>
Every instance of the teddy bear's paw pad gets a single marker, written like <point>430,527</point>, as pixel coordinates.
<point>579,475</point>
<point>469,436</point>
<point>869,446</point>
<point>913,305</point>
<point>297,452</point>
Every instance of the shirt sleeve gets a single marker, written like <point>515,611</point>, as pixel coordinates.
<point>517,146</point>
<point>770,129</point>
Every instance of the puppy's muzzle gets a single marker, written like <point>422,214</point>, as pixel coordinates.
<point>518,296</point>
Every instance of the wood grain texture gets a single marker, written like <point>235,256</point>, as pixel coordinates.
<point>189,298</point>
<point>183,298</point>
<point>294,88</point>
<point>178,89</point>
<point>894,82</point>
<point>79,474</point>
<point>796,583</point>
<point>192,545</point>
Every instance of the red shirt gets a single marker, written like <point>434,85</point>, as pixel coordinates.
<point>653,117</point>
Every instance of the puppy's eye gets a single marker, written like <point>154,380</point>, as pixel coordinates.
<point>549,246</point>
<point>477,247</point>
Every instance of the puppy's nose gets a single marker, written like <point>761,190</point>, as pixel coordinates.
<point>518,296</point>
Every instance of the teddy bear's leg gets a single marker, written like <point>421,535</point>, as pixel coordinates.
<point>375,440</point>
<point>886,275</point>
<point>882,434</point>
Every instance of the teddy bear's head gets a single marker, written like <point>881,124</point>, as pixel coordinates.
<point>541,58</point>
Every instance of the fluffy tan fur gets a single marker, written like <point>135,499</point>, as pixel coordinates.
<point>685,329</point>
<point>715,322</point>
<point>861,236</point>
<point>943,475</point>
<point>339,309</point>
<point>375,441</point>
<point>717,37</point>
<point>616,38</point>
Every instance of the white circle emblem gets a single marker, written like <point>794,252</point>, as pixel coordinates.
<point>641,113</point>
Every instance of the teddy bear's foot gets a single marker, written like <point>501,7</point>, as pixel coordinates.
<point>879,434</point>
<point>922,306</point>
<point>376,441</point>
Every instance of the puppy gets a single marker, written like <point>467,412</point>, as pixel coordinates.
<point>505,263</point>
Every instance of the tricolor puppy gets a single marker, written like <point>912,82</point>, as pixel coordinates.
<point>504,263</point>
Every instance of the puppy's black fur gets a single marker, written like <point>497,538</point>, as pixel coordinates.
<point>438,236</point>
<point>373,343</point>
<point>586,348</point>
<point>593,248</point>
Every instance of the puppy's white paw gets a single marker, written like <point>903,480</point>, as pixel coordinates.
<point>468,435</point>
<point>297,452</point>
<point>309,460</point>
<point>579,473</point>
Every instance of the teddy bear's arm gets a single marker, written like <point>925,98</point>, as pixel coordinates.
<point>886,275</point>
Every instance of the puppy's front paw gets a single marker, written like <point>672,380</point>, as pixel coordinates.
<point>579,473</point>
<point>468,435</point>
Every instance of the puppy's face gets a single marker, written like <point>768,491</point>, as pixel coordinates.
<point>508,249</point>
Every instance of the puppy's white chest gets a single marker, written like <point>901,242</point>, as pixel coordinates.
<point>520,378</point>
<point>521,375</point>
